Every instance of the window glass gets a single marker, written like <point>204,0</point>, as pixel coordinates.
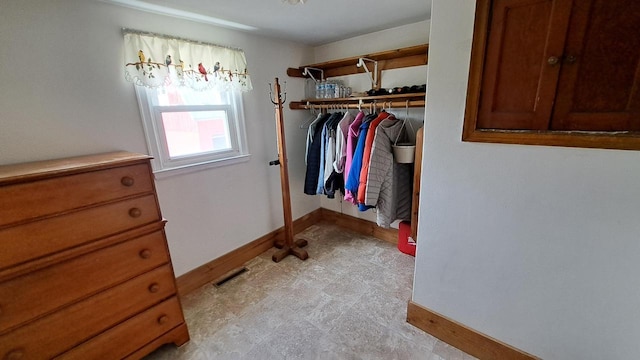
<point>174,95</point>
<point>196,132</point>
<point>189,130</point>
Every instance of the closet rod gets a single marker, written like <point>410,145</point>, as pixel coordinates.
<point>299,105</point>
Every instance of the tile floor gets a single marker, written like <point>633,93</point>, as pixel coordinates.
<point>347,301</point>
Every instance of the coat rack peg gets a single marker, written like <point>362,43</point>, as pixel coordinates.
<point>280,94</point>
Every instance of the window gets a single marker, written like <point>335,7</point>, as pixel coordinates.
<point>555,72</point>
<point>189,97</point>
<point>189,130</point>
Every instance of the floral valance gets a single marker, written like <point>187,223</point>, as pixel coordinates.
<point>156,60</point>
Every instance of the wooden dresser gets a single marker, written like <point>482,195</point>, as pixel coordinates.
<point>85,271</point>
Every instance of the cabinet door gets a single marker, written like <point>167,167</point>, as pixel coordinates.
<point>521,72</point>
<point>599,87</point>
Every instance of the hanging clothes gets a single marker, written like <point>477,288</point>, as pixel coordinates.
<point>330,148</point>
<point>334,183</point>
<point>313,157</point>
<point>366,158</point>
<point>323,151</point>
<point>352,138</point>
<point>334,179</point>
<point>310,134</point>
<point>341,142</point>
<point>353,178</point>
<point>390,184</point>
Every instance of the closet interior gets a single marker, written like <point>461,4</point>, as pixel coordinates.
<point>365,157</point>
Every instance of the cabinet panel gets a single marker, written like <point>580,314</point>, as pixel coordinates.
<point>40,292</point>
<point>116,342</point>
<point>47,236</point>
<point>29,200</point>
<point>42,338</point>
<point>599,85</point>
<point>520,74</point>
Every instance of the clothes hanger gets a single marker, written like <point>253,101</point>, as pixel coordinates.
<point>310,120</point>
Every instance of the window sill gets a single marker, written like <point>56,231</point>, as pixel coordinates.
<point>191,168</point>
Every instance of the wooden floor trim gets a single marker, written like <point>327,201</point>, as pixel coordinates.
<point>464,338</point>
<point>360,225</point>
<point>214,269</point>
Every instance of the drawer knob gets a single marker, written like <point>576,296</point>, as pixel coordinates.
<point>127,181</point>
<point>135,212</point>
<point>145,253</point>
<point>15,354</point>
<point>163,319</point>
<point>154,288</point>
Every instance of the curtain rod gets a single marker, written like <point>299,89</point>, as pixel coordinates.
<point>170,37</point>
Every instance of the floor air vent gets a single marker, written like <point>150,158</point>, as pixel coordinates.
<point>228,276</point>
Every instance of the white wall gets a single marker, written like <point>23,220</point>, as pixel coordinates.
<point>63,93</point>
<point>390,39</point>
<point>535,246</point>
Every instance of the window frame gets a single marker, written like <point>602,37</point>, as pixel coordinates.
<point>622,140</point>
<point>162,163</point>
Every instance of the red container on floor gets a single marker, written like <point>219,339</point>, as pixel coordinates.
<point>404,245</point>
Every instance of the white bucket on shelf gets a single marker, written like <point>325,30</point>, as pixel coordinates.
<point>404,153</point>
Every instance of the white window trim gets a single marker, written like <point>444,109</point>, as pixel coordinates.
<point>163,165</point>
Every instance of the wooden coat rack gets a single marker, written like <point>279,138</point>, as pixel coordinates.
<point>288,246</point>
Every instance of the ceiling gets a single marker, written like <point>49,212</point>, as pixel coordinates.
<point>315,22</point>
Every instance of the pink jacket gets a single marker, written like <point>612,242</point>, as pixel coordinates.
<point>352,139</point>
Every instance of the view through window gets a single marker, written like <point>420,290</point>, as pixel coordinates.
<point>187,128</point>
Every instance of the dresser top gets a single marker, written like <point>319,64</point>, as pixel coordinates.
<point>10,174</point>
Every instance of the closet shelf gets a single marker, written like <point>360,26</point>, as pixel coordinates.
<point>391,59</point>
<point>388,101</point>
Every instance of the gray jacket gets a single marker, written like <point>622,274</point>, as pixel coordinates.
<point>389,184</point>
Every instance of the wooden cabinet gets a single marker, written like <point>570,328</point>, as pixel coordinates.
<point>85,270</point>
<point>599,84</point>
<point>556,65</point>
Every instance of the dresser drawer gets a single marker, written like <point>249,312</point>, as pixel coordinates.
<point>39,238</point>
<point>42,339</point>
<point>117,343</point>
<point>37,293</point>
<point>21,202</point>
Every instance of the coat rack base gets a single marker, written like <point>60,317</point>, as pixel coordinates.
<point>279,244</point>
<point>286,251</point>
